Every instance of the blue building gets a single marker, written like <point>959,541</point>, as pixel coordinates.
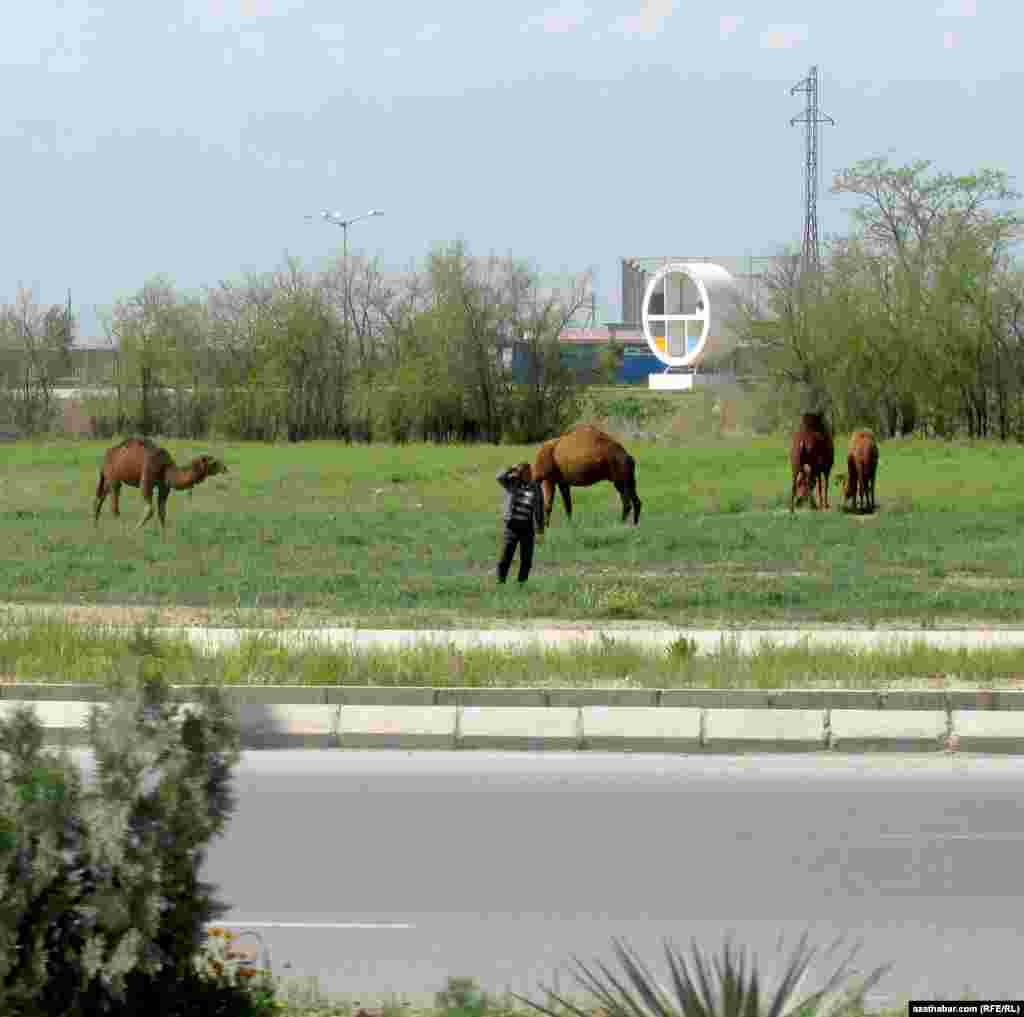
<point>581,349</point>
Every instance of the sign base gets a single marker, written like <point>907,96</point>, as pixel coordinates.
<point>668,382</point>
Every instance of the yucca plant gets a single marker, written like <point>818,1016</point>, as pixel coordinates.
<point>725,987</point>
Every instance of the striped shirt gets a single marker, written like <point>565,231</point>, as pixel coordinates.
<point>524,500</point>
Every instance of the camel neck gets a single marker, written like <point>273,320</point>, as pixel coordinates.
<point>182,478</point>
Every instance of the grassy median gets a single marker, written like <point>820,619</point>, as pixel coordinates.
<point>58,651</point>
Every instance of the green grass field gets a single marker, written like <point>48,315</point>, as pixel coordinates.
<point>409,536</point>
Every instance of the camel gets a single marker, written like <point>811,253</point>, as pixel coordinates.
<point>811,456</point>
<point>583,457</point>
<point>858,482</point>
<point>139,463</point>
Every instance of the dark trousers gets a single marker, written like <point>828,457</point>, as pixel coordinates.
<point>523,536</point>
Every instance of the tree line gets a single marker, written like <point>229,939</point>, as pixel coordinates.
<point>350,353</point>
<point>915,320</point>
<point>912,323</point>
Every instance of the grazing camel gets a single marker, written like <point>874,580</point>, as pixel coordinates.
<point>861,466</point>
<point>137,462</point>
<point>811,456</point>
<point>583,457</point>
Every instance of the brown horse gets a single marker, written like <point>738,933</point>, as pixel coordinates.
<point>137,462</point>
<point>583,457</point>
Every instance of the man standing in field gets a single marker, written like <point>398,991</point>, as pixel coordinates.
<point>524,509</point>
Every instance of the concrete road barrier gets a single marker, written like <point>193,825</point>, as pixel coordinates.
<point>63,722</point>
<point>987,731</point>
<point>289,725</point>
<point>661,720</point>
<point>764,730</point>
<point>397,727</point>
<point>641,728</point>
<point>519,727</point>
<point>888,730</point>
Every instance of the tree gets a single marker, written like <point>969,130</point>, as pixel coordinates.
<point>37,342</point>
<point>545,405</point>
<point>912,318</point>
<point>103,907</point>
<point>148,327</point>
<point>789,332</point>
<point>937,246</point>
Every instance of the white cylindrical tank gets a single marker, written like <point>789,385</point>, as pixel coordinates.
<point>686,313</point>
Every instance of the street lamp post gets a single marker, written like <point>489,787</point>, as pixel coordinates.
<point>337,220</point>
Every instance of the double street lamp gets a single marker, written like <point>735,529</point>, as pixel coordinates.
<point>337,220</point>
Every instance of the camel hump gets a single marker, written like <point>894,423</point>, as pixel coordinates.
<point>587,455</point>
<point>133,461</point>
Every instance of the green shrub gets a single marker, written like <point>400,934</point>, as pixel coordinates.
<point>101,907</point>
<point>462,997</point>
<point>728,987</point>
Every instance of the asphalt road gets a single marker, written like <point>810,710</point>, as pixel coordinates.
<point>402,868</point>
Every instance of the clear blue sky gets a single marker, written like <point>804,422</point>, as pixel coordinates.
<point>190,138</point>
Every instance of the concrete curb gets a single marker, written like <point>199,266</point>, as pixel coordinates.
<point>627,720</point>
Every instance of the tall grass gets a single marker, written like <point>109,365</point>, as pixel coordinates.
<point>60,652</point>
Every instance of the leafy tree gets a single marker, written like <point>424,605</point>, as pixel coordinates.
<point>101,906</point>
<point>36,344</point>
<point>936,245</point>
<point>912,319</point>
<point>148,327</point>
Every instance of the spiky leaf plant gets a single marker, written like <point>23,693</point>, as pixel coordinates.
<point>725,987</point>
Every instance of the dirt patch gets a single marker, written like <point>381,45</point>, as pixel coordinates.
<point>980,582</point>
<point>74,418</point>
<point>171,615</point>
<point>174,615</point>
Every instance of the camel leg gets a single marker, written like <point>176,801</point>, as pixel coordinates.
<point>566,497</point>
<point>147,486</point>
<point>627,501</point>
<point>148,514</point>
<point>98,504</point>
<point>549,499</point>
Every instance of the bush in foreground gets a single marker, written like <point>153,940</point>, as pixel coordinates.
<point>721,988</point>
<point>101,907</point>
